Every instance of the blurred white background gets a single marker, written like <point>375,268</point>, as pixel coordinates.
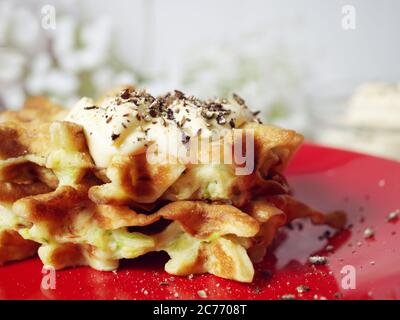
<point>289,59</point>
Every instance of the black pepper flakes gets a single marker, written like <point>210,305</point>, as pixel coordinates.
<point>153,112</point>
<point>185,138</point>
<point>318,260</point>
<point>302,289</point>
<point>126,94</point>
<point>170,114</point>
<point>257,290</point>
<point>338,295</point>
<point>114,136</point>
<point>179,94</point>
<point>221,119</point>
<point>238,99</point>
<point>90,107</point>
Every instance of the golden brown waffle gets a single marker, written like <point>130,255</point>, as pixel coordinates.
<point>133,179</point>
<point>14,247</point>
<point>31,150</point>
<point>35,110</point>
<point>67,216</point>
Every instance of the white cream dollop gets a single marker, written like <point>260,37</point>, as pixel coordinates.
<point>125,126</point>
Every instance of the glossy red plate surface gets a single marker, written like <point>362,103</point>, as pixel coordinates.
<point>367,188</point>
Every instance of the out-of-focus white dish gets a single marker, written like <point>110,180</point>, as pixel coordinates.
<point>366,121</point>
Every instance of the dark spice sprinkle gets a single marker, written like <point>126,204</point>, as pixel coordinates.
<point>179,94</point>
<point>238,99</point>
<point>164,283</point>
<point>288,297</point>
<point>214,106</point>
<point>338,295</point>
<point>325,235</point>
<point>290,226</point>
<point>266,274</point>
<point>300,226</point>
<point>114,136</point>
<point>221,119</point>
<point>170,114</point>
<point>257,290</point>
<point>182,122</point>
<point>302,289</point>
<point>124,125</point>
<point>160,107</point>
<point>256,113</point>
<point>153,112</point>
<point>185,138</point>
<point>91,108</point>
<point>126,94</point>
<point>109,119</point>
<point>318,260</point>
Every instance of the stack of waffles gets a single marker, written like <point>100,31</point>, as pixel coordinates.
<point>63,199</point>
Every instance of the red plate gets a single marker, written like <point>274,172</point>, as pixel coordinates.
<point>368,188</point>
